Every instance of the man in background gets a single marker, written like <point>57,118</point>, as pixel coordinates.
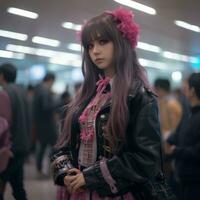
<point>187,150</point>
<point>44,108</point>
<point>170,113</point>
<point>14,109</point>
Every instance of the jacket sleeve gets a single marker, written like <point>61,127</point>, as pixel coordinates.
<point>134,166</point>
<point>191,152</point>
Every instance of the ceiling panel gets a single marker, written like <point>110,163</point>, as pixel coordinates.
<point>158,30</point>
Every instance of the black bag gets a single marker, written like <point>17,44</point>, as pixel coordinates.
<point>156,188</point>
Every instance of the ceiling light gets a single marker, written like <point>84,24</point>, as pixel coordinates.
<point>21,49</point>
<point>42,52</point>
<point>45,41</point>
<point>176,56</point>
<point>148,47</point>
<point>70,25</point>
<point>23,13</point>
<point>9,54</point>
<point>6,54</point>
<point>19,56</point>
<point>187,26</point>
<point>74,46</point>
<point>152,64</point>
<point>137,6</point>
<point>13,35</point>
<point>177,76</point>
<point>67,61</point>
<point>179,57</point>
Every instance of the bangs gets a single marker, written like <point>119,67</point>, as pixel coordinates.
<point>94,31</point>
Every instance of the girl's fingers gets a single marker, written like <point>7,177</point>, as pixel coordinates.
<point>68,180</point>
<point>74,170</point>
<point>73,183</point>
<point>77,183</point>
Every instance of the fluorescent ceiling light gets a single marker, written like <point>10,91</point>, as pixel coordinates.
<point>179,57</point>
<point>176,56</point>
<point>152,64</point>
<point>66,61</point>
<point>21,49</point>
<point>148,47</point>
<point>187,26</point>
<point>176,76</point>
<point>159,65</point>
<point>137,6</point>
<point>41,52</point>
<point>74,46</point>
<point>45,41</point>
<point>6,54</point>
<point>9,54</point>
<point>70,25</point>
<point>13,35</point>
<point>23,13</point>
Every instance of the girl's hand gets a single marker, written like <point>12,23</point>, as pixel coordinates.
<point>74,183</point>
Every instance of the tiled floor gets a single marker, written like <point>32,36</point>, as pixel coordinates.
<point>36,189</point>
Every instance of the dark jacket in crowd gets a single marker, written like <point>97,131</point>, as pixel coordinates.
<point>19,125</point>
<point>175,137</point>
<point>44,109</point>
<point>188,152</point>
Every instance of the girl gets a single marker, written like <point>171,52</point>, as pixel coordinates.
<point>112,127</point>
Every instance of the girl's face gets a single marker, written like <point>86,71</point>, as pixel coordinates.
<point>101,52</point>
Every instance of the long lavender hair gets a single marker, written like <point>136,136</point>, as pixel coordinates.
<point>128,73</point>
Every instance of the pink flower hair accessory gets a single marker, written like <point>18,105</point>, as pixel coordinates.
<point>127,26</point>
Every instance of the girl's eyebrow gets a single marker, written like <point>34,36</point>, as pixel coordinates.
<point>101,37</point>
<point>97,38</point>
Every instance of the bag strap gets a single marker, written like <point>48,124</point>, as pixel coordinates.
<point>161,175</point>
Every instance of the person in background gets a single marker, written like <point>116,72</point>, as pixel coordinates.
<point>187,151</point>
<point>169,106</point>
<point>14,109</point>
<point>5,150</point>
<point>170,114</point>
<point>30,96</point>
<point>65,98</point>
<point>176,136</point>
<point>112,127</point>
<point>44,107</point>
<point>77,87</point>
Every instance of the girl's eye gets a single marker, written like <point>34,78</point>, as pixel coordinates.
<point>90,46</point>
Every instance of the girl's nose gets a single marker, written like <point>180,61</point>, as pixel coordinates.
<point>96,49</point>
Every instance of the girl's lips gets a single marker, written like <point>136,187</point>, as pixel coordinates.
<point>98,60</point>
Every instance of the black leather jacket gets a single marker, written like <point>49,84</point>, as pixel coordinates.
<point>138,160</point>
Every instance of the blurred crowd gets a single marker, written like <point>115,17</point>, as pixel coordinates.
<point>31,119</point>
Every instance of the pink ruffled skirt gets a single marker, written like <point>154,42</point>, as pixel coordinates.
<point>87,195</point>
